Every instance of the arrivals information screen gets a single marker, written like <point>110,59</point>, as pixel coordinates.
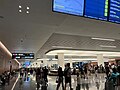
<point>97,9</point>
<point>22,55</point>
<point>114,11</point>
<point>108,10</point>
<point>69,6</point>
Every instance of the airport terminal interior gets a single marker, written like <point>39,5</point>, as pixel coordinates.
<point>59,44</point>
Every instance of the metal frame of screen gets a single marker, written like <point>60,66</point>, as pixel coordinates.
<point>84,13</point>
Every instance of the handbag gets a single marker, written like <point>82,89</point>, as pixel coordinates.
<point>57,79</point>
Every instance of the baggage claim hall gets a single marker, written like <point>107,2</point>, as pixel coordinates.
<point>59,44</point>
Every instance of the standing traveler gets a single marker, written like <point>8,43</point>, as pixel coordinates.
<point>67,74</point>
<point>78,82</point>
<point>38,78</point>
<point>96,70</point>
<point>3,79</point>
<point>114,76</point>
<point>107,70</point>
<point>45,70</point>
<point>82,72</point>
<point>60,78</point>
<point>85,72</point>
<point>8,78</point>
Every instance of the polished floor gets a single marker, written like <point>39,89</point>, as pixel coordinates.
<point>9,87</point>
<point>92,83</point>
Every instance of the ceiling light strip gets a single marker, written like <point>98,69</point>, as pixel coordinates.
<point>104,39</point>
<point>61,47</point>
<point>107,46</point>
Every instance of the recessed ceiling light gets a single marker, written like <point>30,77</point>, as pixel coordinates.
<point>20,11</point>
<point>27,12</point>
<point>104,39</point>
<point>20,6</point>
<point>28,8</point>
<point>107,46</point>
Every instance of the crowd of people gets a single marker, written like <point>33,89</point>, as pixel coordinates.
<point>112,73</point>
<point>64,76</point>
<point>6,77</point>
<point>40,74</point>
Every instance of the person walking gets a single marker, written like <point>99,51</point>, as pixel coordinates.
<point>107,70</point>
<point>85,72</point>
<point>38,78</point>
<point>96,70</point>
<point>114,76</point>
<point>45,70</point>
<point>60,78</point>
<point>67,74</point>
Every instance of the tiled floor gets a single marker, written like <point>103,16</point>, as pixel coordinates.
<point>85,84</point>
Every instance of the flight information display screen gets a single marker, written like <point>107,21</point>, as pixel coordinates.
<point>114,15</point>
<point>107,10</point>
<point>97,9</point>
<point>75,7</point>
<point>22,55</point>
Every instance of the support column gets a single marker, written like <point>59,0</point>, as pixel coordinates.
<point>61,60</point>
<point>70,61</point>
<point>100,59</point>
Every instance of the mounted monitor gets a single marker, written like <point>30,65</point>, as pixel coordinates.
<point>114,11</point>
<point>107,10</point>
<point>74,7</point>
<point>97,9</point>
<point>22,55</point>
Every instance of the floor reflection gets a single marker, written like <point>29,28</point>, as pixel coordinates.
<point>91,83</point>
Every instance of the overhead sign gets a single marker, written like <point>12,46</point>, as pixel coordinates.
<point>22,55</point>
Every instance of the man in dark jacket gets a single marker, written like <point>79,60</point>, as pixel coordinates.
<point>60,78</point>
<point>45,74</point>
<point>67,74</point>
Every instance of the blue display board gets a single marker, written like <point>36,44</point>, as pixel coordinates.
<point>108,10</point>
<point>97,9</point>
<point>75,7</point>
<point>114,15</point>
<point>26,64</point>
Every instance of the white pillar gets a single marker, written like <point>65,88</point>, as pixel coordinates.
<point>100,59</point>
<point>61,60</point>
<point>49,63</point>
<point>70,61</point>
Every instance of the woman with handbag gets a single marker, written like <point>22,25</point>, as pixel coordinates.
<point>60,78</point>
